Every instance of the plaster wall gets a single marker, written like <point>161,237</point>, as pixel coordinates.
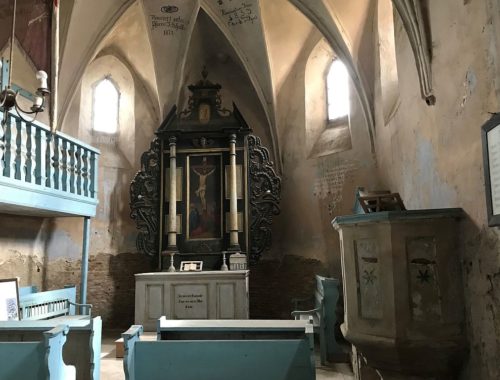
<point>316,189</point>
<point>432,156</point>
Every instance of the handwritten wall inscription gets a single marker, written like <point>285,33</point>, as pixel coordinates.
<point>237,12</point>
<point>167,25</point>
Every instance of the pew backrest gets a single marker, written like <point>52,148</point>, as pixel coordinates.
<point>240,351</point>
<point>50,304</point>
<point>37,360</point>
<point>83,346</point>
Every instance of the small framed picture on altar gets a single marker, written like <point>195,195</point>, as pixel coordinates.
<point>490,133</point>
<point>9,299</point>
<point>191,266</point>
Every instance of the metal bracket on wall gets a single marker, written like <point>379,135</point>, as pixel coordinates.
<point>410,12</point>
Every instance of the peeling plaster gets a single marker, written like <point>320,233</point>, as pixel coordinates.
<point>469,85</point>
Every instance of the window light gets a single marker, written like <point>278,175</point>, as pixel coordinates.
<point>337,85</point>
<point>106,106</point>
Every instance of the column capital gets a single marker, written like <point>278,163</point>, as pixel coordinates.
<point>232,138</point>
<point>172,140</point>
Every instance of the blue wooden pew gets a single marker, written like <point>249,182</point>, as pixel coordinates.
<point>36,359</point>
<point>325,320</point>
<point>221,350</point>
<point>82,349</point>
<point>51,304</point>
<point>25,290</point>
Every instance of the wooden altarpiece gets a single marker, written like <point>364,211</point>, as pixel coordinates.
<point>225,191</point>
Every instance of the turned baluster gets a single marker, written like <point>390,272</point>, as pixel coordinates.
<point>3,127</point>
<point>8,157</point>
<point>39,161</point>
<point>21,150</point>
<point>72,168</point>
<point>56,157</point>
<point>28,167</point>
<point>78,170</point>
<point>64,164</point>
<point>15,149</point>
<point>93,176</point>
<point>85,173</point>
<point>49,150</point>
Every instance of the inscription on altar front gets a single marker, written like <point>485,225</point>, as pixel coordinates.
<point>190,302</point>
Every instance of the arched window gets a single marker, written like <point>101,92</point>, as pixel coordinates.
<point>106,106</point>
<point>337,91</point>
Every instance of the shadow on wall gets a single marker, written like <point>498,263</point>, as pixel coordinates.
<point>22,248</point>
<point>480,247</point>
<point>274,283</point>
<point>46,234</point>
<point>111,286</point>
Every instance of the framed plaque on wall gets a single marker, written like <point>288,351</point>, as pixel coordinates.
<point>490,133</point>
<point>9,299</point>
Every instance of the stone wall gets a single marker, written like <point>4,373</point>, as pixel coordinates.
<point>432,156</point>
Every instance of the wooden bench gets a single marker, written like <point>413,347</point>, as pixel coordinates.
<point>36,359</point>
<point>58,303</point>
<point>221,350</point>
<point>325,321</point>
<point>82,349</point>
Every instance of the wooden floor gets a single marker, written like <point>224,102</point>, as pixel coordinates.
<point>112,368</point>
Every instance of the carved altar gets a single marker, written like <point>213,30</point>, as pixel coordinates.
<point>190,295</point>
<point>206,186</point>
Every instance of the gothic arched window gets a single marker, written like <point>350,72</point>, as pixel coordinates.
<point>337,85</point>
<point>106,106</point>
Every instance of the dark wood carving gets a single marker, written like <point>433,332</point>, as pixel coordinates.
<point>265,192</point>
<point>145,198</point>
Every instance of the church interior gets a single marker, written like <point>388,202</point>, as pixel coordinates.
<point>250,189</point>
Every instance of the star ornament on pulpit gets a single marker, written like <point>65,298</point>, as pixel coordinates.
<point>369,276</point>
<point>424,276</point>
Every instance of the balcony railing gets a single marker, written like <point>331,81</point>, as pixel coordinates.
<point>45,173</point>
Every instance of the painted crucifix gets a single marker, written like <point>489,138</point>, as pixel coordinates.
<point>203,171</point>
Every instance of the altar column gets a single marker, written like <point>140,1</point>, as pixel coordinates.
<point>233,197</point>
<point>172,201</point>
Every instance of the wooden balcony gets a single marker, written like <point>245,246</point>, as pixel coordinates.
<point>45,174</point>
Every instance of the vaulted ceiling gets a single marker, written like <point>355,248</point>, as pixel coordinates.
<point>263,38</point>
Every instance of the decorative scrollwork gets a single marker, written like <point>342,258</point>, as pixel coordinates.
<point>265,191</point>
<point>204,91</point>
<point>144,200</point>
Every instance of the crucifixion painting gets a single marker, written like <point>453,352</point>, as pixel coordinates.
<point>205,197</point>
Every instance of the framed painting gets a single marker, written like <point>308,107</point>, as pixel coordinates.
<point>490,133</point>
<point>9,299</point>
<point>204,196</point>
